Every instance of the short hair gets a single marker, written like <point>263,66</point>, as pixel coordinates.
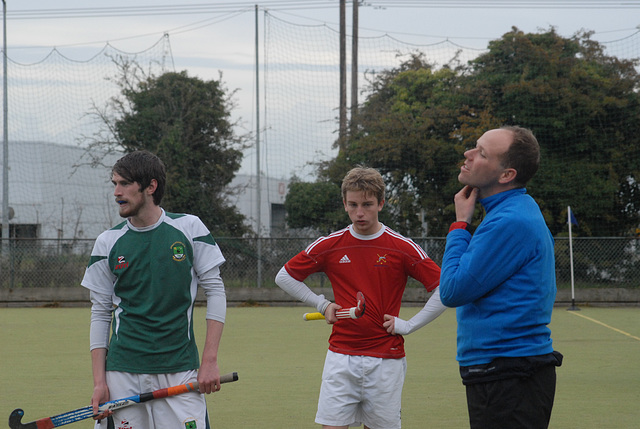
<point>143,166</point>
<point>523,154</point>
<point>363,179</point>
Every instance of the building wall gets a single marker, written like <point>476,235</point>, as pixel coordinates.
<point>53,187</point>
<point>272,197</point>
<point>54,191</point>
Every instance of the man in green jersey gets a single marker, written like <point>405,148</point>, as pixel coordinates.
<point>143,277</point>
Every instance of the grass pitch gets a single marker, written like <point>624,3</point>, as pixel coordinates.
<point>46,368</point>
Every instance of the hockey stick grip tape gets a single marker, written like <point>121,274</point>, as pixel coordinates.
<point>225,378</point>
<point>184,388</point>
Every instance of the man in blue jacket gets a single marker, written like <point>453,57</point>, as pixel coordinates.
<point>502,281</point>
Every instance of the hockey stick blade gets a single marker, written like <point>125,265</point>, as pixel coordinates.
<point>15,419</point>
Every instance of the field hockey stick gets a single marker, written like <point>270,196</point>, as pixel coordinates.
<point>15,419</point>
<point>348,313</point>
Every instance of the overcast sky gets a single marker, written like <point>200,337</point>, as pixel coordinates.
<point>208,37</point>
<point>222,37</point>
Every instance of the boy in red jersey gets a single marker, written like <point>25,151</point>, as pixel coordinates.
<point>365,365</point>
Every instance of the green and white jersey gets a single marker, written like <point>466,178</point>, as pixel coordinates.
<point>152,275</point>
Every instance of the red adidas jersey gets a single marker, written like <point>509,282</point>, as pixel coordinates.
<point>378,265</point>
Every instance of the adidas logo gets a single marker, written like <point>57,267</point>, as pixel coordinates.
<point>345,260</point>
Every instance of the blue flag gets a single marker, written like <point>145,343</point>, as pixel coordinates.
<point>574,221</point>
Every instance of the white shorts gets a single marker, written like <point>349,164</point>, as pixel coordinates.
<point>361,389</point>
<point>187,410</point>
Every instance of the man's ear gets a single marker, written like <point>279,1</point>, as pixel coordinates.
<point>508,176</point>
<point>152,187</point>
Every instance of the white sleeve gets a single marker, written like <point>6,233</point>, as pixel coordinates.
<point>431,310</point>
<point>101,314</point>
<point>213,286</point>
<point>301,291</point>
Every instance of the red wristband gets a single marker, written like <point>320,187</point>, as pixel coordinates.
<point>459,225</point>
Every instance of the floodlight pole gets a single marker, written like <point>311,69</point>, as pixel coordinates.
<point>343,78</point>
<point>258,181</point>
<point>5,136</point>
<point>354,68</point>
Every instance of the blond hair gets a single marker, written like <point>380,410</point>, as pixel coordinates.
<point>365,179</point>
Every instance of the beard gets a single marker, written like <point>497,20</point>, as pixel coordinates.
<point>130,209</point>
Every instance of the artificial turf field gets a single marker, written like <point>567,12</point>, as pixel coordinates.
<point>46,368</point>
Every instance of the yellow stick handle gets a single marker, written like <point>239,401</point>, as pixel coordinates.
<point>313,316</point>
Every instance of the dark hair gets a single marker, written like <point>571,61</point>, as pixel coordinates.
<point>142,166</point>
<point>364,179</point>
<point>523,154</point>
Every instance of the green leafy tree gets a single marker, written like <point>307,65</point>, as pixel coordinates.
<point>403,130</point>
<point>186,122</point>
<point>317,205</point>
<point>583,106</point>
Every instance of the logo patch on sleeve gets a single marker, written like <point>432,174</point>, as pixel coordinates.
<point>121,264</point>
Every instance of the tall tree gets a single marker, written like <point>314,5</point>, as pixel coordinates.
<point>583,106</point>
<point>186,122</point>
<point>317,205</point>
<point>403,131</point>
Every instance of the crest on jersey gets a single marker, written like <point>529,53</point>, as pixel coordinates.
<point>178,250</point>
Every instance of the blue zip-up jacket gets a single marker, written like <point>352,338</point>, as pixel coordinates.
<point>502,281</point>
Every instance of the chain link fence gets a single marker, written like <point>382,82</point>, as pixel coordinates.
<point>39,263</point>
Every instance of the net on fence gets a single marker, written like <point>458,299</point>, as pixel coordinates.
<point>585,116</point>
<point>598,262</point>
<point>303,88</point>
<point>57,187</point>
<point>50,101</point>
